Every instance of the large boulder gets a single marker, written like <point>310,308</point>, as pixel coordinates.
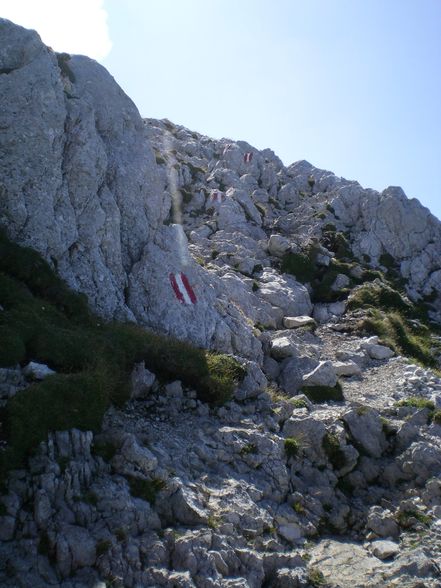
<point>285,293</point>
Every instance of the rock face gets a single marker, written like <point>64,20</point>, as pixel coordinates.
<point>218,243</point>
<point>79,183</point>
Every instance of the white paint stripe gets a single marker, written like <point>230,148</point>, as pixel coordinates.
<point>183,289</point>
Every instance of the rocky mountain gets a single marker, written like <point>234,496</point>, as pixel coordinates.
<point>251,395</point>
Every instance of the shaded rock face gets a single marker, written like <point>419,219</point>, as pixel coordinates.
<point>79,183</point>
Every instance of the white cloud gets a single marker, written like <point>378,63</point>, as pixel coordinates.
<point>72,26</point>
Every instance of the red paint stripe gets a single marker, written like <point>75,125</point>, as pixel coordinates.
<point>188,288</point>
<point>175,287</point>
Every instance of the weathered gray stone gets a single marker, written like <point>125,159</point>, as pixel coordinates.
<point>323,375</point>
<point>366,429</point>
<point>142,381</point>
<point>37,371</point>
<point>294,322</point>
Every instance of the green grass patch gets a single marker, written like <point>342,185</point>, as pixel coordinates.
<point>42,320</point>
<point>318,394</point>
<point>102,547</point>
<point>57,403</point>
<point>416,402</point>
<point>380,297</point>
<point>187,195</point>
<point>104,449</point>
<point>334,453</point>
<point>257,268</point>
<point>145,489</point>
<point>387,260</point>
<point>292,446</point>
<point>436,417</point>
<point>324,279</point>
<point>159,158</point>
<point>404,518</point>
<point>316,578</point>
<point>298,402</point>
<point>298,265</point>
<point>248,448</point>
<point>337,242</point>
<point>403,337</point>
<point>298,508</point>
<point>369,275</point>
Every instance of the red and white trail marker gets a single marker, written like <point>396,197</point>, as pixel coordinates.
<point>217,196</point>
<point>248,157</point>
<point>182,289</point>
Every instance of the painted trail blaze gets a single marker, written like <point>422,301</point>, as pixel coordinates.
<point>182,288</point>
<point>248,157</point>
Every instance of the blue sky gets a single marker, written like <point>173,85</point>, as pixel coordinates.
<point>353,86</point>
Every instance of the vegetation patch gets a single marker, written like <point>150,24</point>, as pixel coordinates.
<point>416,402</point>
<point>257,268</point>
<point>292,446</point>
<point>402,336</point>
<point>298,402</point>
<point>186,194</point>
<point>159,158</point>
<point>436,417</point>
<point>325,278</point>
<point>248,448</point>
<point>318,394</point>
<point>104,449</point>
<point>379,296</point>
<point>345,486</point>
<point>42,320</point>
<point>298,507</point>
<point>145,489</point>
<point>404,518</point>
<point>387,260</point>
<point>102,547</point>
<point>337,243</point>
<point>316,578</point>
<point>331,446</point>
<point>298,265</point>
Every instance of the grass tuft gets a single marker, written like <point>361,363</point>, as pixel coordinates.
<point>292,446</point>
<point>403,337</point>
